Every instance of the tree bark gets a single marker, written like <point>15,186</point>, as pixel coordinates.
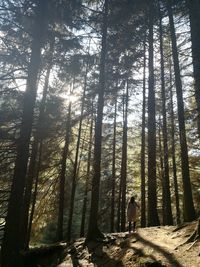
<point>188,205</point>
<point>93,230</point>
<point>153,219</point>
<point>12,235</point>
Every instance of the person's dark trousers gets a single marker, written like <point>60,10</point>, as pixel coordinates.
<point>129,227</point>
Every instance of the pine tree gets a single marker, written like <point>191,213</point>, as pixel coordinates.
<point>11,248</point>
<point>152,194</point>
<point>93,230</point>
<point>188,205</point>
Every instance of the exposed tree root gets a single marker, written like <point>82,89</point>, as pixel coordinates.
<point>194,237</point>
<point>180,226</point>
<point>192,245</point>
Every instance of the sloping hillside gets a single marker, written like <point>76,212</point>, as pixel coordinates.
<point>154,246</point>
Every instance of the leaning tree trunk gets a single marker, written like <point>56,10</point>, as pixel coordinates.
<point>12,236</point>
<point>166,184</point>
<point>142,160</point>
<point>152,183</point>
<point>194,12</point>
<point>188,205</point>
<point>124,162</point>
<point>93,230</point>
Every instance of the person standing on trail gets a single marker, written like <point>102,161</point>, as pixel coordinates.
<point>132,213</point>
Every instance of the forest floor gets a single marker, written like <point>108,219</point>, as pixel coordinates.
<point>154,246</point>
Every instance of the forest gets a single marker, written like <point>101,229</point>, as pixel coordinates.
<point>99,102</point>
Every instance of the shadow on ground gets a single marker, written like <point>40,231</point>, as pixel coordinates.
<point>167,255</point>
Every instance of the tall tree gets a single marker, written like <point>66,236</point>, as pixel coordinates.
<point>88,176</point>
<point>75,171</point>
<point>124,158</point>
<point>194,12</point>
<point>142,159</point>
<point>11,248</point>
<point>173,148</point>
<point>168,218</point>
<point>188,205</point>
<point>63,176</point>
<point>35,148</point>
<point>113,180</point>
<point>152,185</point>
<point>93,230</point>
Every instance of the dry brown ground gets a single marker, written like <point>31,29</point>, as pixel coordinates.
<point>154,246</point>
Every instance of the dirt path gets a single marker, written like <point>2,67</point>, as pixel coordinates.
<point>155,246</point>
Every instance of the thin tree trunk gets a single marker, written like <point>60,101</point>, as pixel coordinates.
<point>75,172</point>
<point>166,183</point>
<point>124,162</point>
<point>112,214</point>
<point>142,159</point>
<point>153,219</point>
<point>178,220</point>
<point>12,235</point>
<point>82,232</point>
<point>93,230</point>
<point>194,12</point>
<point>63,177</point>
<point>119,206</point>
<point>188,205</point>
<point>34,196</point>
<point>161,173</point>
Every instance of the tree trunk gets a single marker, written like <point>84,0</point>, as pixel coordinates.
<point>33,158</point>
<point>161,173</point>
<point>119,206</point>
<point>188,205</point>
<point>63,177</point>
<point>124,162</point>
<point>194,12</point>
<point>166,183</point>
<point>12,235</point>
<point>93,230</point>
<point>153,219</point>
<point>142,160</point>
<point>34,194</point>
<point>75,171</point>
<point>112,214</point>
<point>178,219</point>
<point>82,232</point>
